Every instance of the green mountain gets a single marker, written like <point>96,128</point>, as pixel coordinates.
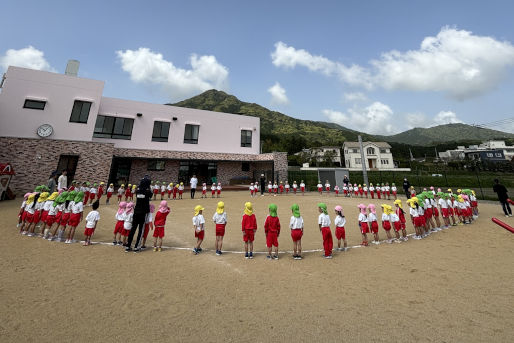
<point>445,133</point>
<point>279,132</point>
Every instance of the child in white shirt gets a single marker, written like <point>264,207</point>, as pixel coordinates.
<point>340,222</point>
<point>92,219</point>
<point>296,226</point>
<point>199,227</point>
<point>220,220</point>
<point>324,228</point>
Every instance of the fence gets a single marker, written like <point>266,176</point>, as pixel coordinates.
<point>480,182</point>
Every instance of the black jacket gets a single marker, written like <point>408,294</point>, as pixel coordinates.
<point>501,191</point>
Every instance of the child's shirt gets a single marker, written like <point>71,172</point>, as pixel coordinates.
<point>121,191</point>
<point>296,223</point>
<point>275,186</point>
<point>204,187</point>
<point>120,216</point>
<point>23,204</point>
<point>110,190</point>
<point>127,223</point>
<point>393,188</point>
<point>213,188</point>
<point>148,218</point>
<point>77,207</point>
<point>251,188</point>
<point>427,203</point>
<point>371,188</point>
<point>46,206</point>
<point>66,209</point>
<point>336,188</point>
<point>220,218</point>
<point>270,186</point>
<point>91,219</point>
<point>386,217</point>
<point>287,185</point>
<point>365,188</point>
<point>198,221</point>
<point>218,188</point>
<point>181,187</point>
<point>92,190</point>
<point>324,220</point>
<point>449,203</point>
<point>169,188</point>
<point>340,221</point>
<point>53,210</point>
<point>327,185</point>
<point>60,207</point>
<point>363,218</point>
<point>272,224</point>
<point>319,185</point>
<point>350,188</point>
<point>295,185</point>
<point>249,222</point>
<point>394,217</point>
<point>414,212</point>
<point>302,185</point>
<point>160,219</point>
<point>163,189</point>
<point>421,211</point>
<point>443,203</point>
<point>372,217</point>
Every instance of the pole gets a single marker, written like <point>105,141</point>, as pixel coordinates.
<point>479,184</point>
<point>363,162</point>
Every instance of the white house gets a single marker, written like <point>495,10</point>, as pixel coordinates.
<point>377,156</point>
<point>322,154</point>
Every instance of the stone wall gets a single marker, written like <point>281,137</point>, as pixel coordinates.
<point>35,159</point>
<point>280,164</point>
<point>139,169</point>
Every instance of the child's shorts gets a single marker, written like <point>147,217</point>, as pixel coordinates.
<point>50,220</point>
<point>374,227</point>
<point>74,219</point>
<point>364,227</point>
<point>436,212</point>
<point>89,232</point>
<point>43,216</point>
<point>158,231</point>
<point>37,216</point>
<point>64,219</point>
<point>386,225</point>
<point>248,235</point>
<point>397,226</point>
<point>125,232</point>
<point>296,234</point>
<point>200,234</point>
<point>418,221</point>
<point>155,191</point>
<point>119,227</point>
<point>340,233</point>
<point>272,239</point>
<point>29,217</point>
<point>220,229</point>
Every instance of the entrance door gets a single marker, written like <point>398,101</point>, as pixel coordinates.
<point>68,162</point>
<point>120,171</point>
<point>370,163</point>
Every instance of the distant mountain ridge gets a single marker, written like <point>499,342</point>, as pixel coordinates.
<point>282,132</point>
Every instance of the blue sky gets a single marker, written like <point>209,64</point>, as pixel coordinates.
<point>320,60</point>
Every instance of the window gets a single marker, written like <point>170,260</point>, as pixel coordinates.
<point>383,151</point>
<point>156,165</point>
<point>113,127</point>
<point>80,111</point>
<point>34,104</point>
<point>370,151</point>
<point>355,151</point>
<point>246,138</point>
<point>245,166</point>
<point>191,134</point>
<point>161,131</point>
<point>385,161</point>
<point>357,161</point>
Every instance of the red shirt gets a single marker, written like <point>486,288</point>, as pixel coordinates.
<point>400,214</point>
<point>249,222</point>
<point>160,218</point>
<point>100,191</point>
<point>272,224</point>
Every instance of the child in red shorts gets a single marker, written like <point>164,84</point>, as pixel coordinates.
<point>373,223</point>
<point>220,219</point>
<point>120,220</point>
<point>272,231</point>
<point>199,227</point>
<point>77,213</point>
<point>92,219</point>
<point>363,224</point>
<point>148,224</point>
<point>340,222</point>
<point>386,221</point>
<point>324,228</point>
<point>159,223</point>
<point>398,219</point>
<point>248,226</point>
<point>296,226</point>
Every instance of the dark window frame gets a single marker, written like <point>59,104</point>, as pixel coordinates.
<point>28,101</point>
<point>81,117</point>
<point>245,166</point>
<point>159,126</point>
<point>156,165</point>
<point>191,139</point>
<point>112,130</point>
<point>245,143</point>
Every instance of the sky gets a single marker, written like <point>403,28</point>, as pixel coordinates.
<point>380,67</point>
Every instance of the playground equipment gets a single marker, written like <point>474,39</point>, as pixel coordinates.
<point>503,225</point>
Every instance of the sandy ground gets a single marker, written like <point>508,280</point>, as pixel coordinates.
<point>455,286</point>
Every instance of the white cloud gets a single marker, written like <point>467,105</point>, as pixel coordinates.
<point>148,67</point>
<point>455,62</point>
<point>376,118</point>
<point>420,120</point>
<point>278,94</point>
<point>355,97</point>
<point>28,57</point>
<point>446,117</point>
<point>413,120</point>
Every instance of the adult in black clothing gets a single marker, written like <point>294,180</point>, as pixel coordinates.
<point>501,191</point>
<point>406,186</point>
<point>346,180</point>
<point>142,208</point>
<point>263,184</point>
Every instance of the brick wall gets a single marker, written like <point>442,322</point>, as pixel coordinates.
<point>139,169</point>
<point>35,159</point>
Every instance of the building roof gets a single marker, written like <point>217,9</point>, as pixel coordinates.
<point>356,144</point>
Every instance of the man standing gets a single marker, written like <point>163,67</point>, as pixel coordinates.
<point>346,180</point>
<point>193,182</point>
<point>62,182</point>
<point>51,182</point>
<point>501,191</point>
<point>142,208</point>
<point>263,184</point>
<point>406,186</point>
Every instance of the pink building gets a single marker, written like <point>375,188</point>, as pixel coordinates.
<point>51,121</point>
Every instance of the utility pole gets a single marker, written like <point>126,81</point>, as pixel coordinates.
<point>363,163</point>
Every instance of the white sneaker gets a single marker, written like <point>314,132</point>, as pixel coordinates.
<point>30,234</point>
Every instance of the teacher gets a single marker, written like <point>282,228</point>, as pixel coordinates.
<point>142,208</point>
<point>193,182</point>
<point>263,184</point>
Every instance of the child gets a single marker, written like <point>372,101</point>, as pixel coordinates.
<point>50,217</point>
<point>180,190</point>
<point>435,210</point>
<point>175,191</point>
<point>295,187</point>
<point>92,193</point>
<point>169,189</point>
<point>120,220</point>
<point>132,192</point>
<point>281,188</point>
<point>416,220</point>
<point>327,187</point>
<point>28,213</point>
<point>204,191</point>
<point>218,190</point>
<point>76,216</point>
<point>340,222</point>
<point>386,221</point>
<point>474,203</point>
<point>199,227</point>
<point>451,211</point>
<point>400,213</point>
<point>86,191</point>
<point>48,208</point>
<point>296,226</point>
<point>249,227</point>
<point>156,189</point>
<point>372,191</point>
<point>287,187</point>
<point>336,190</point>
<point>110,190</point>
<point>365,189</point>
<point>59,204</point>
<point>361,191</point>
<point>66,213</point>
<point>270,188</point>
<point>148,224</point>
<point>252,189</point>
<point>127,192</point>
<point>272,231</point>
<point>38,210</point>
<point>100,191</point>
<point>213,190</point>
<point>21,218</point>
<point>320,187</point>
<point>394,190</point>
<point>350,190</point>
<point>324,228</point>
<point>373,223</point>
<point>158,224</point>
<point>92,219</point>
<point>127,222</point>
<point>388,191</point>
<point>275,188</point>
<point>363,224</point>
<point>220,219</point>
<point>163,191</point>
<point>443,208</point>
<point>302,187</point>
<point>121,191</point>
<point>345,189</point>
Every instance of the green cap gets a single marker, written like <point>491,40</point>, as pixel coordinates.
<point>296,210</point>
<point>272,210</point>
<point>79,197</point>
<point>323,207</point>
